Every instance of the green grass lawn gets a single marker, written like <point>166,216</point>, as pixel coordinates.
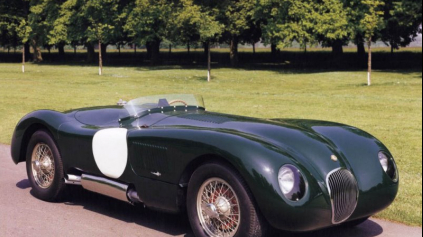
<point>391,109</point>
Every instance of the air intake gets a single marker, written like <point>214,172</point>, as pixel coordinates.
<point>343,191</point>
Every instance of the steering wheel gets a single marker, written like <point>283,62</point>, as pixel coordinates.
<point>178,101</point>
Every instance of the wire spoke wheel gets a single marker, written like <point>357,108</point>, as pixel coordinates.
<point>218,208</point>
<point>42,164</point>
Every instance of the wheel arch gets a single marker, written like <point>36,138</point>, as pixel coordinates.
<point>207,159</point>
<point>43,119</point>
<point>27,136</point>
<point>202,160</point>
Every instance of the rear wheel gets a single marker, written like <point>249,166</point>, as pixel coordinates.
<point>220,204</point>
<point>44,167</point>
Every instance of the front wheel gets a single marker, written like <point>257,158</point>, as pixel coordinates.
<point>220,204</point>
<point>44,167</point>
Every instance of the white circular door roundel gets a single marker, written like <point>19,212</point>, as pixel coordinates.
<point>110,151</point>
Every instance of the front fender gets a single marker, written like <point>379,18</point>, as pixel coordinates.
<point>360,150</point>
<point>257,161</point>
<point>41,119</point>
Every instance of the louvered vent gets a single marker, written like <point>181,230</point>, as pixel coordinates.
<point>343,191</point>
<point>153,157</point>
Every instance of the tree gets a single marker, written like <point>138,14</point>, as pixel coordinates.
<point>23,32</point>
<point>14,25</point>
<point>287,21</point>
<point>402,20</point>
<point>195,22</point>
<point>149,22</point>
<point>38,25</point>
<point>237,16</point>
<point>43,14</point>
<point>187,23</point>
<point>252,35</point>
<point>71,26</point>
<point>89,22</point>
<point>372,22</point>
<point>103,19</point>
<point>331,26</point>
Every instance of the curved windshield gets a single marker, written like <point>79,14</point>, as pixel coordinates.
<point>139,105</point>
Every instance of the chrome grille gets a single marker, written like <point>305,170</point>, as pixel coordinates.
<point>343,192</point>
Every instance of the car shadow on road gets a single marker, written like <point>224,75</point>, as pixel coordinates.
<point>171,224</point>
<point>178,224</point>
<point>367,229</point>
<point>23,184</point>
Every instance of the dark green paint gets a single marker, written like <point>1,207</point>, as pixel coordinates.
<point>175,141</point>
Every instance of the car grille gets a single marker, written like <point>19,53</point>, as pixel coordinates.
<point>343,192</point>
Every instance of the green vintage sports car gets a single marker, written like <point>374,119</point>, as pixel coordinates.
<point>233,175</point>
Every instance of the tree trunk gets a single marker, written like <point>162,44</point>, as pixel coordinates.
<point>74,49</point>
<point>90,52</point>
<point>61,47</point>
<point>28,55</point>
<point>37,51</point>
<point>254,48</point>
<point>149,49</point>
<point>206,46</point>
<point>188,48</point>
<point>104,52</point>
<point>337,49</point>
<point>135,49</point>
<point>392,49</point>
<point>119,49</point>
<point>275,51</point>
<point>23,59</point>
<point>234,52</point>
<point>361,51</point>
<point>100,59</point>
<point>369,71</point>
<point>208,63</point>
<point>154,47</point>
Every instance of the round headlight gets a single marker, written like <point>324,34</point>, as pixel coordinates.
<point>384,161</point>
<point>388,165</point>
<point>291,183</point>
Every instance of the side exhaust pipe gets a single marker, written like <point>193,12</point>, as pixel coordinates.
<point>105,186</point>
<point>73,179</point>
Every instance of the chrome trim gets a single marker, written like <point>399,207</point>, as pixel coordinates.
<point>105,186</point>
<point>334,221</point>
<point>73,179</point>
<point>133,196</point>
<point>158,174</point>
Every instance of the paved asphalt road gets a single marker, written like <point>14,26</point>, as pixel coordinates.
<point>89,214</point>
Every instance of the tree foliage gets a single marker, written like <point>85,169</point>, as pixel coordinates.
<point>150,22</point>
<point>402,22</point>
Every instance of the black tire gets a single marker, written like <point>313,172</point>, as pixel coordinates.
<point>251,223</point>
<point>55,190</point>
<point>352,224</point>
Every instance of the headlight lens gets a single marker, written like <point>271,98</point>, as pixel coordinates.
<point>291,183</point>
<point>384,161</point>
<point>388,165</point>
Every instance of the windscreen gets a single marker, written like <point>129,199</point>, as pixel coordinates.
<point>142,104</point>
